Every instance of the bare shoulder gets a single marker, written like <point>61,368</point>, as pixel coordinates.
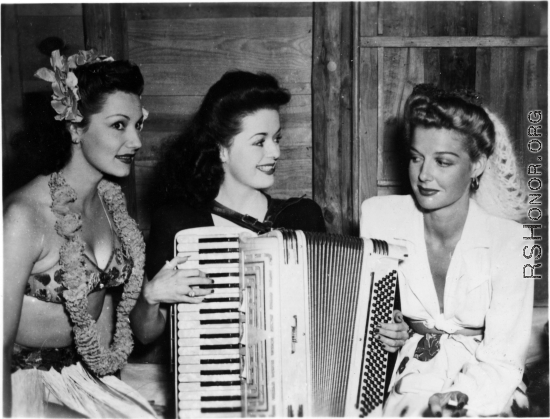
<point>27,210</point>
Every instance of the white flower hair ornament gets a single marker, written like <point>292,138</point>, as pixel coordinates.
<point>145,113</point>
<point>65,83</point>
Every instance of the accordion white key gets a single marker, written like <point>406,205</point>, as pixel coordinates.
<point>289,330</point>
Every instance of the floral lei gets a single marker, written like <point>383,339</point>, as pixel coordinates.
<point>100,360</point>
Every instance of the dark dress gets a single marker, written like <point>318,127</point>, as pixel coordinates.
<point>293,214</point>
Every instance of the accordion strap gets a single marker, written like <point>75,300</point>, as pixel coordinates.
<point>243,220</point>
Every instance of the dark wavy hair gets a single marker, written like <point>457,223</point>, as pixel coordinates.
<point>192,169</point>
<point>44,146</point>
<point>460,111</point>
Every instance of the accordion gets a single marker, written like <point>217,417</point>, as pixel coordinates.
<point>290,328</point>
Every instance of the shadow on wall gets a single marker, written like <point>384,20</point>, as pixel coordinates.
<point>396,154</point>
<point>36,145</point>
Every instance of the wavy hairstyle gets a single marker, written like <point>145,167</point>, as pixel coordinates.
<point>460,111</point>
<point>45,145</point>
<point>502,189</point>
<point>192,169</point>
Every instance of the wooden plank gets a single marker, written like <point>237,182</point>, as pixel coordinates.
<point>368,126</point>
<point>42,10</point>
<point>33,29</point>
<point>483,73</point>
<point>356,139</point>
<point>164,49</point>
<point>178,80</point>
<point>432,73</point>
<point>332,115</point>
<point>369,11</point>
<point>501,18</point>
<point>105,29</point>
<point>456,65</point>
<point>169,113</point>
<point>452,18</point>
<point>452,41</point>
<point>504,87</point>
<point>168,11</point>
<point>504,64</point>
<point>294,173</point>
<point>536,18</point>
<point>403,19</point>
<point>485,18</point>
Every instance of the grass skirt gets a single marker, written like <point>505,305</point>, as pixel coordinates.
<point>78,390</point>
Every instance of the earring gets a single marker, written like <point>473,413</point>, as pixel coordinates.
<point>75,141</point>
<point>474,184</point>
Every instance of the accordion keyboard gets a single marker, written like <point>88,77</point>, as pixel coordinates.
<point>289,328</point>
<point>207,363</point>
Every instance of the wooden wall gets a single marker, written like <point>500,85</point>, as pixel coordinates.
<point>24,26</point>
<point>183,49</point>
<point>349,66</point>
<point>498,49</point>
<point>368,56</point>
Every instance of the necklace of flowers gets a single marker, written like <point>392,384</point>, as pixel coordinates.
<point>100,360</point>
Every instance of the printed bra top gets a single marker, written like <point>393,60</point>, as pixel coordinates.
<point>47,286</point>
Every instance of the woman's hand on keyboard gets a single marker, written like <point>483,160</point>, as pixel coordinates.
<point>393,335</point>
<point>180,285</point>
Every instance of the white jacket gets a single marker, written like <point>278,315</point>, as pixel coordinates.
<point>484,288</point>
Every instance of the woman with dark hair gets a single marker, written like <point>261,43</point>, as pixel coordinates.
<point>462,286</point>
<point>67,239</point>
<point>216,174</point>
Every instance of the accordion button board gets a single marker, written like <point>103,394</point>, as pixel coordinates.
<point>289,330</point>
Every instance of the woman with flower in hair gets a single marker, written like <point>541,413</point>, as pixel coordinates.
<point>462,287</point>
<point>215,174</point>
<point>67,239</point>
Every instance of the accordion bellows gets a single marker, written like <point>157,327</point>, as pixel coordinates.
<point>289,330</point>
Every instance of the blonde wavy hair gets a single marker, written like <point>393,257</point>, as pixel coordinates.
<point>502,189</point>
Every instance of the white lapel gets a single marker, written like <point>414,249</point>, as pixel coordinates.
<point>470,262</point>
<point>416,268</point>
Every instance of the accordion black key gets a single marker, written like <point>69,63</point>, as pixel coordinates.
<point>289,330</point>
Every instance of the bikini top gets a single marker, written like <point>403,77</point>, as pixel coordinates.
<point>47,286</point>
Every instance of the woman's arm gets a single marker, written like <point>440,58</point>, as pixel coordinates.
<point>167,285</point>
<point>170,285</point>
<point>21,250</point>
